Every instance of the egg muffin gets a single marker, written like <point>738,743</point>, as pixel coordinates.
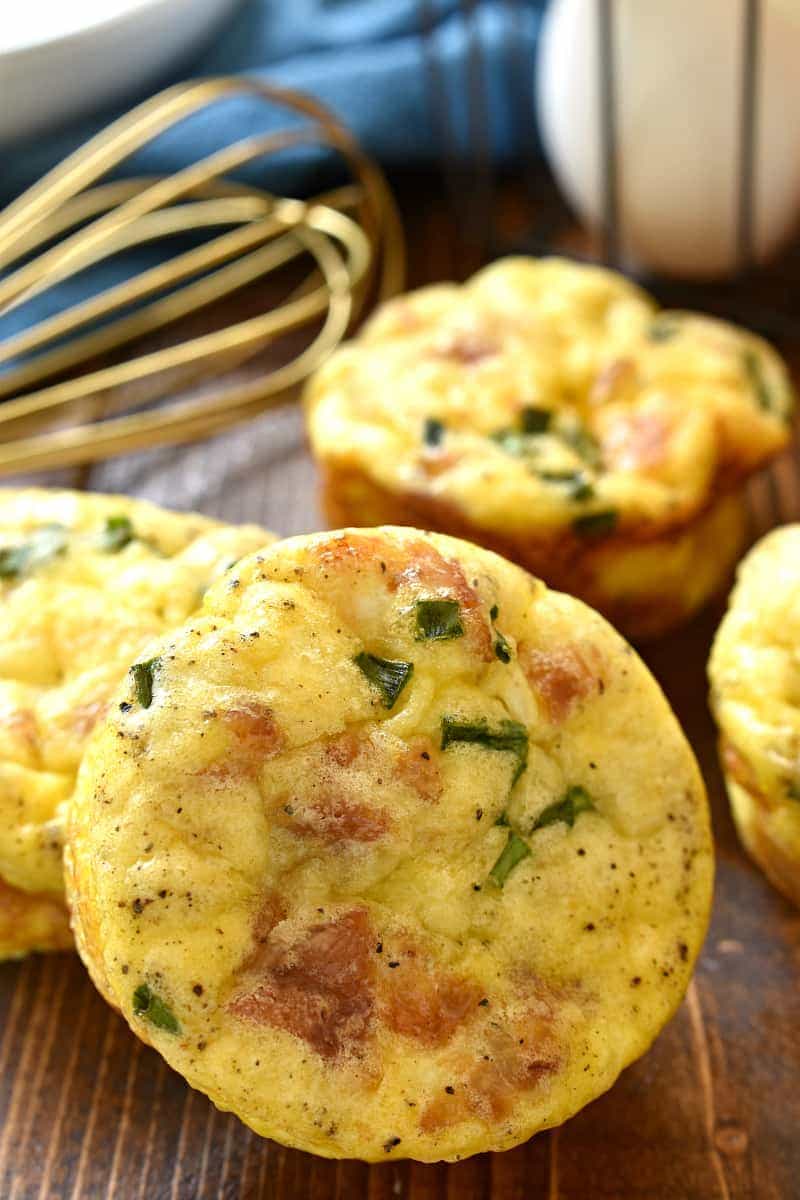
<point>85,582</point>
<point>549,411</point>
<point>368,852</point>
<point>755,695</point>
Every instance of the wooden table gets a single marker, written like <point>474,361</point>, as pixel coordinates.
<point>711,1113</point>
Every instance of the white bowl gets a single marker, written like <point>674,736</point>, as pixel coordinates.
<point>60,59</point>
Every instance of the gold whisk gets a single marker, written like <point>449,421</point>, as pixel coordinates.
<point>69,221</point>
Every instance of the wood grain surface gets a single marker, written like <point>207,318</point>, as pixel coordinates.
<point>712,1112</point>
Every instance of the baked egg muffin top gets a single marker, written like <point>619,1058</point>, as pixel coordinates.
<point>85,582</point>
<point>391,850</point>
<point>755,674</point>
<point>544,397</point>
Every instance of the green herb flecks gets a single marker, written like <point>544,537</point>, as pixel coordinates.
<point>438,620</point>
<point>793,790</point>
<point>433,432</point>
<point>509,736</point>
<point>511,441</point>
<point>389,676</point>
<point>576,484</point>
<point>662,330</point>
<point>596,525</point>
<point>143,674</point>
<point>502,650</point>
<point>754,371</point>
<point>522,440</point>
<point>150,1007</point>
<point>582,441</point>
<point>575,801</point>
<point>117,533</point>
<point>514,851</point>
<point>44,544</point>
<point>535,420</point>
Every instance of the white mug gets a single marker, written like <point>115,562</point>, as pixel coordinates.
<point>679,84</point>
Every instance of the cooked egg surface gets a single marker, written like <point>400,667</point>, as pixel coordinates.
<point>548,398</point>
<point>31,921</point>
<point>390,850</point>
<point>755,693</point>
<point>85,582</point>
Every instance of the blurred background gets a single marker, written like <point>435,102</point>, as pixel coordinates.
<point>660,137</point>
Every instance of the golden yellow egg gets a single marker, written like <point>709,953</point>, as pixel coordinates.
<point>390,850</point>
<point>549,411</point>
<point>85,582</point>
<point>755,693</point>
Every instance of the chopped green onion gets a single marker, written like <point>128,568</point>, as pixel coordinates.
<point>387,675</point>
<point>576,483</point>
<point>574,801</point>
<point>514,851</point>
<point>583,442</point>
<point>513,442</point>
<point>755,375</point>
<point>522,441</point>
<point>502,650</point>
<point>117,533</point>
<point>148,1005</point>
<point>596,525</point>
<point>535,420</point>
<point>44,544</point>
<point>433,432</point>
<point>509,736</point>
<point>793,790</point>
<point>143,673</point>
<point>662,330</point>
<point>438,620</point>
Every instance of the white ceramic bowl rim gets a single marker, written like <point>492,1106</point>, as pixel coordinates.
<point>92,21</point>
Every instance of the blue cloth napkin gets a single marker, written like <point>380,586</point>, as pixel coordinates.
<point>397,72</point>
<point>371,61</point>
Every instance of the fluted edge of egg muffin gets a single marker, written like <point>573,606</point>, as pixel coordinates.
<point>550,410</point>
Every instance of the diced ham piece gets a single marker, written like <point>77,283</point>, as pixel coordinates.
<point>344,749</point>
<point>418,568</point>
<point>426,1002</point>
<point>435,461</point>
<point>255,728</point>
<point>613,381</point>
<point>636,441</point>
<point>416,766</point>
<point>318,987</point>
<point>513,1059</point>
<point>434,576</point>
<point>335,817</point>
<point>466,346</point>
<point>562,677</point>
<point>256,737</point>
